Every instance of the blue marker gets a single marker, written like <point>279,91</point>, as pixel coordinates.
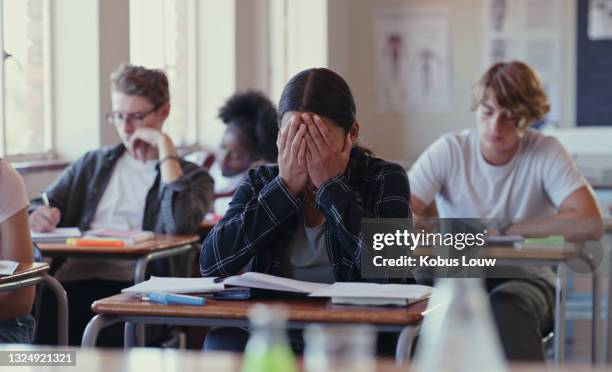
<point>174,299</point>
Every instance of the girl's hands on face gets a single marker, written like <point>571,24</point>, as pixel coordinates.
<point>324,160</point>
<point>292,154</point>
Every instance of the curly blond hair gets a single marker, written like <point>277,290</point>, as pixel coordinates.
<point>515,87</point>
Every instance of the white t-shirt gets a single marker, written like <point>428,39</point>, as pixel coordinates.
<point>13,196</point>
<point>121,207</point>
<point>533,184</point>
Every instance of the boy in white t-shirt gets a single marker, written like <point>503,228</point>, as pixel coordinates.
<point>16,323</point>
<point>504,170</point>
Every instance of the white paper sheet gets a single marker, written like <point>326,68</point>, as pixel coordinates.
<point>8,267</point>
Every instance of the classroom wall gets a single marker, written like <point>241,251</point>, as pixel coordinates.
<point>404,137</point>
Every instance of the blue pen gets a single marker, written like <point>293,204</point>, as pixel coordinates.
<point>174,299</point>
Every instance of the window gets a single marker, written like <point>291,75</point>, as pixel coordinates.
<point>294,44</point>
<point>170,46</point>
<point>25,117</point>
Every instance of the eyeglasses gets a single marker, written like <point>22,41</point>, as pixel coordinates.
<point>136,118</point>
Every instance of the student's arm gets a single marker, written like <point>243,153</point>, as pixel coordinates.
<point>150,143</point>
<point>16,245</point>
<point>345,209</point>
<point>256,212</point>
<point>419,207</point>
<point>184,201</point>
<point>578,219</point>
<point>43,218</point>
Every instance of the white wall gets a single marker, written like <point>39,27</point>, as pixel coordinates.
<point>396,136</point>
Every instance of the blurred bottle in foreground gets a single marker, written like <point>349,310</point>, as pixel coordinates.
<point>459,333</point>
<point>339,349</point>
<point>268,349</point>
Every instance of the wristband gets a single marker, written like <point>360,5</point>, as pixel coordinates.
<point>167,158</point>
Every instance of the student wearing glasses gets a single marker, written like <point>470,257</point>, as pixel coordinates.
<point>506,171</point>
<point>140,183</point>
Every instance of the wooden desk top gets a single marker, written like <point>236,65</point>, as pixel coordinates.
<point>160,242</point>
<point>308,310</point>
<point>163,360</point>
<point>26,270</point>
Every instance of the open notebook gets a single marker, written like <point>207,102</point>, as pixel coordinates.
<point>249,279</point>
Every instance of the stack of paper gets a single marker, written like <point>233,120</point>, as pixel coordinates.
<point>352,293</point>
<point>8,267</point>
<point>60,234</point>
<point>175,285</point>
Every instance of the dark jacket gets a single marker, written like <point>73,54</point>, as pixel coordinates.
<point>262,218</point>
<point>174,208</point>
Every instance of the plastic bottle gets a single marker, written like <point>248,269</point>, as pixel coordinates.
<point>268,349</point>
<point>459,333</point>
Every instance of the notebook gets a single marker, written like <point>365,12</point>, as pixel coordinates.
<point>354,293</point>
<point>175,285</point>
<point>249,279</point>
<point>60,234</point>
<point>8,267</point>
<point>274,283</point>
<point>128,236</point>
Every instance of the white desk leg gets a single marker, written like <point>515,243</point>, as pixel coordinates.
<point>62,308</point>
<point>90,336</point>
<point>596,325</point>
<point>560,294</point>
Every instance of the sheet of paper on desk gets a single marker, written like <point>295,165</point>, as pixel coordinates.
<point>8,267</point>
<point>374,293</point>
<point>175,285</point>
<point>60,234</point>
<point>271,282</point>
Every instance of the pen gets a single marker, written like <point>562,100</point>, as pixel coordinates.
<point>174,299</point>
<point>45,199</point>
<point>76,242</point>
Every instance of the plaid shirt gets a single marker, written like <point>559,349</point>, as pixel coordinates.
<point>261,220</point>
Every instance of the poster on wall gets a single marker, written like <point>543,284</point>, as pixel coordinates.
<point>530,31</point>
<point>600,20</point>
<point>412,59</point>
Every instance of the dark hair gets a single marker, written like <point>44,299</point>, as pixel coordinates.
<point>140,81</point>
<point>253,114</point>
<point>321,91</point>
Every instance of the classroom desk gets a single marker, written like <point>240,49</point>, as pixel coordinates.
<point>29,274</point>
<point>554,257</point>
<point>301,312</point>
<point>164,360</point>
<point>161,246</point>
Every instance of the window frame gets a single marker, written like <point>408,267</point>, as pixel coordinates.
<point>48,114</point>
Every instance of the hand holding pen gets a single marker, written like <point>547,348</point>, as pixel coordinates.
<point>45,217</point>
